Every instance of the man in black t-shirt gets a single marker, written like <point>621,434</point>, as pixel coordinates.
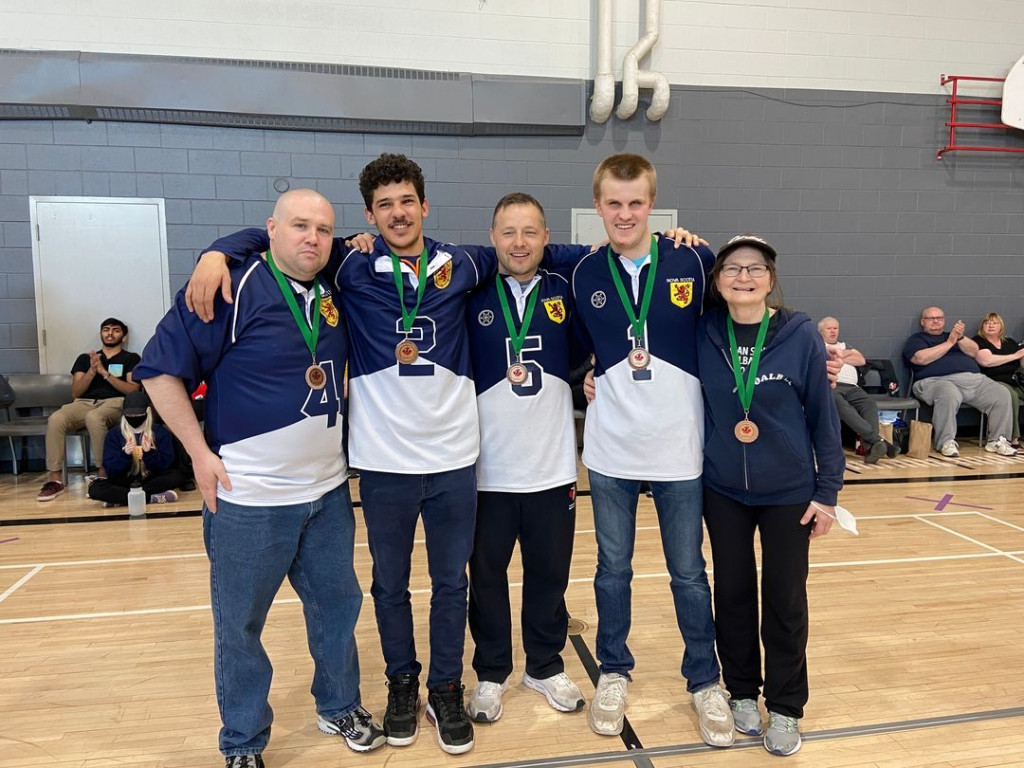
<point>99,382</point>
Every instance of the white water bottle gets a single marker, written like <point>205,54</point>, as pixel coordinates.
<point>136,501</point>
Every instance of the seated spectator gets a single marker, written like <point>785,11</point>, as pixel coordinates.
<point>999,357</point>
<point>947,375</point>
<point>99,382</point>
<point>857,409</point>
<point>137,452</point>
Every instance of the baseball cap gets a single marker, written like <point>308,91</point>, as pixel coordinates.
<point>748,239</point>
<point>136,403</point>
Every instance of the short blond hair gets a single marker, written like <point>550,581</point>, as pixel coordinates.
<point>625,167</point>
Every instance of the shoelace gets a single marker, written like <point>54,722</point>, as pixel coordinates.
<point>612,694</point>
<point>242,761</point>
<point>713,703</point>
<point>401,697</point>
<point>361,718</point>
<point>744,705</point>
<point>450,704</point>
<point>782,722</point>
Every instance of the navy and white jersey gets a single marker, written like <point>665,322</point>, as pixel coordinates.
<point>280,440</point>
<point>649,424</point>
<point>420,417</point>
<point>527,435</point>
<point>417,418</point>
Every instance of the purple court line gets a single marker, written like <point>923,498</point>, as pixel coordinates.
<point>941,504</point>
<point>8,541</point>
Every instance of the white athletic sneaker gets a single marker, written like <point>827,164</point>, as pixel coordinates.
<point>608,709</point>
<point>950,449</point>
<point>717,726</point>
<point>485,703</point>
<point>561,692</point>
<point>1001,446</point>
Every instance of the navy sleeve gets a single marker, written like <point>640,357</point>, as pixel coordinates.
<point>563,259</point>
<point>822,421</point>
<point>184,346</point>
<point>914,345</point>
<point>163,455</point>
<point>115,460</point>
<point>485,259</point>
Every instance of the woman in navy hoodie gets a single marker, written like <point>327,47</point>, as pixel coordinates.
<point>773,462</point>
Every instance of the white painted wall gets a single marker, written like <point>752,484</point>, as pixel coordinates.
<point>873,45</point>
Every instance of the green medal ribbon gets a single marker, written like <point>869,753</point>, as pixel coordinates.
<point>310,334</point>
<point>746,389</point>
<point>409,316</point>
<point>517,339</point>
<point>638,323</point>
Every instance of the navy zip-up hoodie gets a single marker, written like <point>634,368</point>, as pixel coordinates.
<point>792,408</point>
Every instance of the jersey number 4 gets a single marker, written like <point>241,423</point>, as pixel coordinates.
<point>320,402</point>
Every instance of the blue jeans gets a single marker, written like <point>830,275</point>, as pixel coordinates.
<point>391,505</point>
<point>679,505</point>
<point>251,550</point>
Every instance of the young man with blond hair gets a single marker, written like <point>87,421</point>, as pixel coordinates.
<point>639,300</point>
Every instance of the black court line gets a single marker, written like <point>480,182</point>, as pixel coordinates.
<point>749,743</point>
<point>629,737</point>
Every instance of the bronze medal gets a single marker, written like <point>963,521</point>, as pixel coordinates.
<point>518,373</point>
<point>407,352</point>
<point>746,431</point>
<point>639,358</point>
<point>316,377</point>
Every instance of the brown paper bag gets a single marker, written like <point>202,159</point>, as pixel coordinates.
<point>885,431</point>
<point>920,440</point>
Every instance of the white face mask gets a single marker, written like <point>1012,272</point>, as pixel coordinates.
<point>843,516</point>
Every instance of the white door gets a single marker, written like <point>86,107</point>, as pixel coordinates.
<point>96,257</point>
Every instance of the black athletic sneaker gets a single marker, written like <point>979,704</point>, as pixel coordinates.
<point>360,732</point>
<point>244,761</point>
<point>401,719</point>
<point>891,450</point>
<point>446,712</point>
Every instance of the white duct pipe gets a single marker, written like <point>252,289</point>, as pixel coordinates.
<point>634,78</point>
<point>604,81</point>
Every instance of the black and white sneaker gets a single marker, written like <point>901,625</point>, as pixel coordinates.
<point>446,711</point>
<point>401,718</point>
<point>244,761</point>
<point>357,727</point>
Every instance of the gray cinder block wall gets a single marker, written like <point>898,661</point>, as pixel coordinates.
<point>869,226</point>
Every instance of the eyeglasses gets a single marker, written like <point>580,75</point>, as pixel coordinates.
<point>933,318</point>
<point>754,270</point>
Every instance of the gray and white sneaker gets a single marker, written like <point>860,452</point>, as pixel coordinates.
<point>485,702</point>
<point>747,716</point>
<point>608,709</point>
<point>561,692</point>
<point>783,734</point>
<point>950,449</point>
<point>717,727</point>
<point>1001,446</point>
<point>361,734</point>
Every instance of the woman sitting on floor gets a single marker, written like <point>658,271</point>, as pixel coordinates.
<point>137,452</point>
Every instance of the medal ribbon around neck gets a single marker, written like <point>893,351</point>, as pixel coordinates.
<point>638,323</point>
<point>517,339</point>
<point>310,332</point>
<point>409,316</point>
<point>745,390</point>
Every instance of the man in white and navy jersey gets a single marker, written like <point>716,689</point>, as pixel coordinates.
<point>520,340</point>
<point>271,473</point>
<point>639,300</point>
<point>414,433</point>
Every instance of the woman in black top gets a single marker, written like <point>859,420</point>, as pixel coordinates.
<point>999,356</point>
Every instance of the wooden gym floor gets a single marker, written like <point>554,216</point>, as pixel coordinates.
<point>916,649</point>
